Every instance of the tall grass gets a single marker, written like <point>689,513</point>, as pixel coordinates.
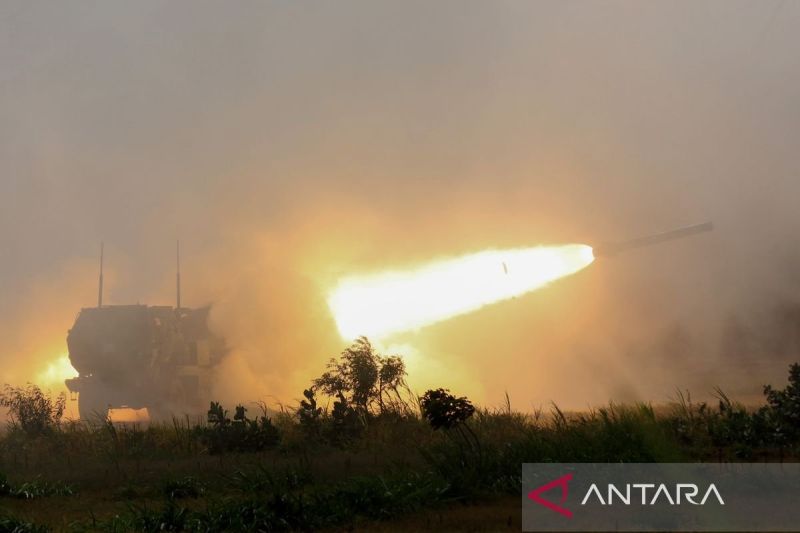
<point>175,475</point>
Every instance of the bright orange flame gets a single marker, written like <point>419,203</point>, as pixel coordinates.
<point>379,305</point>
<point>56,372</point>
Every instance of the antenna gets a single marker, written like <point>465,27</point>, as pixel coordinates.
<point>100,288</point>
<point>178,270</point>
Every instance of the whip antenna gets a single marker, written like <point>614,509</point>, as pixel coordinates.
<point>100,287</point>
<point>178,272</point>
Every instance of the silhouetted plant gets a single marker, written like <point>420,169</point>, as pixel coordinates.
<point>241,414</point>
<point>446,411</point>
<point>443,410</point>
<point>734,432</point>
<point>345,423</point>
<point>785,407</point>
<point>465,466</point>
<point>734,428</point>
<point>217,416</point>
<point>365,378</point>
<point>309,414</point>
<point>32,410</point>
<point>241,434</point>
<point>391,378</point>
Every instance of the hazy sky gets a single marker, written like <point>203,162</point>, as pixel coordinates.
<point>287,144</point>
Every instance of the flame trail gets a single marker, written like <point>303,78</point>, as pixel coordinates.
<point>56,372</point>
<point>379,305</point>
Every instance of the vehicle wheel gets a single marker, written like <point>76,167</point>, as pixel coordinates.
<point>92,405</point>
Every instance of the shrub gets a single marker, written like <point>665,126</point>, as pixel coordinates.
<point>241,434</point>
<point>366,378</point>
<point>345,422</point>
<point>32,410</point>
<point>443,410</point>
<point>309,414</point>
<point>784,408</point>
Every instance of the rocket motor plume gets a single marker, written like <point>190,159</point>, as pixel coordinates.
<point>379,305</point>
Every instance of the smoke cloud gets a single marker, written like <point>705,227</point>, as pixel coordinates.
<point>288,145</point>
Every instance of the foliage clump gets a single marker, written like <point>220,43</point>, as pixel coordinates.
<point>364,386</point>
<point>366,381</point>
<point>443,410</point>
<point>732,431</point>
<point>32,410</point>
<point>783,406</point>
<point>240,434</point>
<point>310,414</point>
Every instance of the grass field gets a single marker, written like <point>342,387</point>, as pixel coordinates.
<point>441,466</point>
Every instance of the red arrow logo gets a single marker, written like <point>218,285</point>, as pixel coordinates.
<point>535,495</point>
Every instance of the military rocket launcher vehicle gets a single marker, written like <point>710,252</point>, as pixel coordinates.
<point>137,356</point>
